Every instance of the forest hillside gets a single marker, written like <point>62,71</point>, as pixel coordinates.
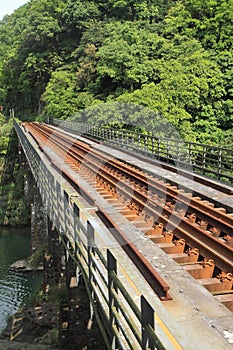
<point>61,57</point>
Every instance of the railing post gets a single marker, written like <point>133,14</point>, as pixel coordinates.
<point>219,163</point>
<point>90,246</point>
<point>112,267</point>
<point>127,138</point>
<point>122,138</point>
<point>158,155</point>
<point>145,144</point>
<point>133,141</point>
<point>178,151</point>
<point>153,145</point>
<point>203,159</point>
<point>139,142</point>
<point>147,319</point>
<point>168,150</point>
<point>117,137</point>
<point>76,222</point>
<point>113,135</point>
<point>190,153</point>
<point>90,250</point>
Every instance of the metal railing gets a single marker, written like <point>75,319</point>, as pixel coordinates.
<point>125,323</point>
<point>213,161</point>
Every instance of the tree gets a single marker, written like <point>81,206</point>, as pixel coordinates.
<point>61,99</point>
<point>125,59</point>
<point>187,80</point>
<point>172,57</point>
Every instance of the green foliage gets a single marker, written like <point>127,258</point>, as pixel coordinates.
<point>78,14</point>
<point>58,294</point>
<point>5,130</point>
<point>148,11</point>
<point>53,335</point>
<point>61,99</point>
<point>36,298</point>
<point>15,210</point>
<point>59,96</point>
<point>38,256</point>
<point>66,58</point>
<point>125,57</point>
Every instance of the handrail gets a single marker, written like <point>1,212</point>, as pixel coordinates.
<point>124,323</point>
<point>213,161</point>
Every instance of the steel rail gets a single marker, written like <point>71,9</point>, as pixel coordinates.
<point>68,223</point>
<point>150,274</point>
<point>215,217</point>
<point>208,245</point>
<point>160,150</point>
<point>209,248</point>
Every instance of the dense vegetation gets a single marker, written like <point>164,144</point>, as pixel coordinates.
<point>14,206</point>
<point>5,129</point>
<point>58,57</point>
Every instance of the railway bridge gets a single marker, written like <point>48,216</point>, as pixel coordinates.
<point>154,247</point>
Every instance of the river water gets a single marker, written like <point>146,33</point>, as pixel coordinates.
<point>15,287</point>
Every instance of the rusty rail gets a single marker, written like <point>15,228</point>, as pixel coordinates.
<point>123,322</point>
<point>216,162</point>
<point>43,136</point>
<point>194,223</point>
<point>208,245</point>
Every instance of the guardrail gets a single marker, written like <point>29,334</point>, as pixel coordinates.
<point>124,323</point>
<point>213,161</point>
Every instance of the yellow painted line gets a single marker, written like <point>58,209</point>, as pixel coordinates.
<point>171,337</point>
<point>133,285</point>
<point>158,321</point>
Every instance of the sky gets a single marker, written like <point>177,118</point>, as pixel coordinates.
<point>7,7</point>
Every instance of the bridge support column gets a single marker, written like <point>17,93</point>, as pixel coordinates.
<point>53,269</point>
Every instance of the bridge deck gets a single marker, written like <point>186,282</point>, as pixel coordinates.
<point>189,321</point>
<point>199,312</point>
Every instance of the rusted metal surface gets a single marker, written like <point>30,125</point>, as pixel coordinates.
<point>205,159</point>
<point>192,230</point>
<point>150,274</point>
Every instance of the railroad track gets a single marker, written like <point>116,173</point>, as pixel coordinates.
<point>192,231</point>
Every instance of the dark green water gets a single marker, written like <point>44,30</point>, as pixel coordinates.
<point>15,288</point>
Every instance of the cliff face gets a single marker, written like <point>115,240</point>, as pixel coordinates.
<point>15,204</point>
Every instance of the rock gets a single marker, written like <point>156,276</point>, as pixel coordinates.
<point>9,345</point>
<point>24,265</point>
